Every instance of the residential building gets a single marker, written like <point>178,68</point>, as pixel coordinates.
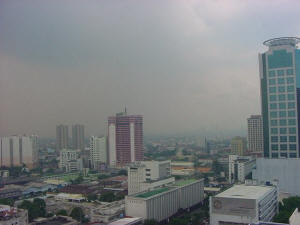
<point>11,215</point>
<point>147,175</point>
<point>35,148</point>
<point>163,202</point>
<point>16,151</point>
<point>78,137</point>
<point>240,167</point>
<point>279,70</point>
<point>62,137</point>
<point>283,171</point>
<point>238,145</point>
<point>255,134</point>
<point>125,139</point>
<point>244,204</point>
<point>69,160</point>
<point>98,151</point>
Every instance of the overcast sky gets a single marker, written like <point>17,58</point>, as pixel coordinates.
<point>188,66</point>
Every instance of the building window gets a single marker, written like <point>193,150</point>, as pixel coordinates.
<point>292,130</point>
<point>282,105</point>
<point>289,72</point>
<point>290,88</point>
<point>272,82</point>
<point>293,147</point>
<point>283,155</point>
<point>283,138</point>
<point>292,122</point>
<point>272,73</point>
<point>290,80</point>
<point>291,113</point>
<point>283,147</point>
<point>291,105</point>
<point>274,155</point>
<point>273,114</point>
<point>272,98</point>
<point>274,139</point>
<point>274,131</point>
<point>280,72</point>
<point>292,138</point>
<point>281,97</point>
<point>293,155</point>
<point>272,89</point>
<point>274,147</point>
<point>291,97</point>
<point>280,80</point>
<point>273,106</point>
<point>282,130</point>
<point>273,122</point>
<point>282,122</point>
<point>282,114</point>
<point>281,89</point>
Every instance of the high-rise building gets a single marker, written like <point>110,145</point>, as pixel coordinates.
<point>35,147</point>
<point>125,139</point>
<point>238,146</point>
<point>78,136</point>
<point>279,70</point>
<point>62,137</point>
<point>98,151</point>
<point>255,134</point>
<point>16,151</point>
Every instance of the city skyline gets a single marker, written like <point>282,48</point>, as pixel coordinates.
<point>181,63</point>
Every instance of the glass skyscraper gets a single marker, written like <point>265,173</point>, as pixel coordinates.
<point>280,97</point>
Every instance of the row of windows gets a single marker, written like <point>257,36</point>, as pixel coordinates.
<point>282,97</point>
<point>283,122</point>
<point>283,147</point>
<point>273,73</point>
<point>288,80</point>
<point>275,114</point>
<point>292,155</point>
<point>283,138</point>
<point>292,130</point>
<point>282,89</point>
<point>282,105</point>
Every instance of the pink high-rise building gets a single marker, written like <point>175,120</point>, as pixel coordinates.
<point>125,139</point>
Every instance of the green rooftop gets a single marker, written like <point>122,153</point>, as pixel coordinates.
<point>185,182</point>
<point>151,193</point>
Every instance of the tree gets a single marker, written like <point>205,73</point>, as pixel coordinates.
<point>107,197</point>
<point>92,197</point>
<point>36,209</point>
<point>122,172</point>
<point>77,214</point>
<point>62,212</point>
<point>150,222</point>
<point>286,209</point>
<point>179,221</point>
<point>7,201</point>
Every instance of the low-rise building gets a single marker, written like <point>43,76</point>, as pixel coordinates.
<point>240,167</point>
<point>182,168</point>
<point>161,203</point>
<point>244,204</point>
<point>11,215</point>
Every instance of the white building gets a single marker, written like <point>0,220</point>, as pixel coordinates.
<point>255,134</point>
<point>147,175</point>
<point>244,204</point>
<point>69,160</point>
<point>284,171</point>
<point>240,167</point>
<point>161,203</point>
<point>98,151</point>
<point>16,151</point>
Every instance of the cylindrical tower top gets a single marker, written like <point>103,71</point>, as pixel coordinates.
<point>292,41</point>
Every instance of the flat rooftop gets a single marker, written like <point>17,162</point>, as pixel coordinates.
<point>185,182</point>
<point>245,192</point>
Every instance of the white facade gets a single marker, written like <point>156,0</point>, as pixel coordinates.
<point>239,167</point>
<point>65,156</point>
<point>244,204</point>
<point>16,151</point>
<point>255,133</point>
<point>147,175</point>
<point>112,144</point>
<point>160,204</point>
<point>98,151</point>
<point>284,171</point>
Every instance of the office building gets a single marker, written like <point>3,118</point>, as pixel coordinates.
<point>240,167</point>
<point>238,146</point>
<point>16,151</point>
<point>146,175</point>
<point>255,134</point>
<point>78,137</point>
<point>279,70</point>
<point>62,137</point>
<point>244,204</point>
<point>283,171</point>
<point>98,151</point>
<point>163,202</point>
<point>125,139</point>
<point>69,160</point>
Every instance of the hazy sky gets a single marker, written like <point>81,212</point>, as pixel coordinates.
<point>186,65</point>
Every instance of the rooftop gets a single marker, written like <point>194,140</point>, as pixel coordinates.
<point>151,193</point>
<point>184,182</point>
<point>292,41</point>
<point>245,191</point>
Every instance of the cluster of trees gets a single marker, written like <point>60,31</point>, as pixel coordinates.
<point>76,213</point>
<point>77,180</point>
<point>286,208</point>
<point>7,201</point>
<point>106,197</point>
<point>36,209</point>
